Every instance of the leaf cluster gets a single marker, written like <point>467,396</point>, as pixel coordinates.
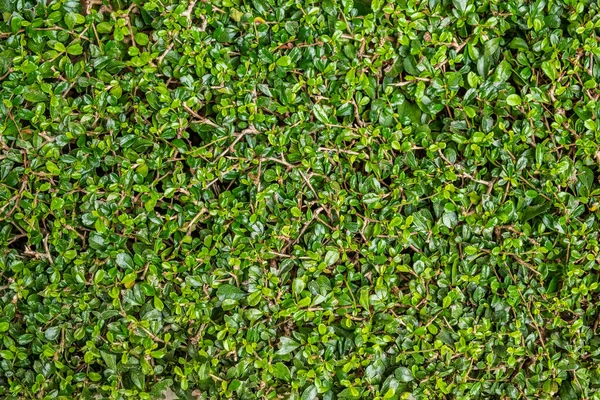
<point>296,199</point>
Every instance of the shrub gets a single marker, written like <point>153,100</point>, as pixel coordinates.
<point>297,199</point>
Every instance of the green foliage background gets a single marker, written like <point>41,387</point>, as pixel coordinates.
<point>299,199</point>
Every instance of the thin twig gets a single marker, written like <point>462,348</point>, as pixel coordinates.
<point>199,117</point>
<point>164,54</point>
<point>277,160</point>
<point>252,129</point>
<point>354,153</point>
<point>45,241</point>
<point>6,74</point>
<point>188,13</point>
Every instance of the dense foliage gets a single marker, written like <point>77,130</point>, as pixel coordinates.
<point>299,199</point>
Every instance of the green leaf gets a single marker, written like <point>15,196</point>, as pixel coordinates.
<point>284,61</point>
<point>104,27</point>
<point>124,260</point>
<point>75,49</point>
<point>491,46</point>
<point>590,124</point>
<point>532,194</point>
<point>549,70</point>
<point>58,46</point>
<point>403,374</point>
<point>503,71</point>
<point>141,39</point>
<point>533,211</point>
<point>514,100</point>
<point>57,204</point>
<point>110,360</point>
<point>129,280</point>
<point>158,304</point>
<point>52,168</point>
<point>461,5</point>
<point>138,378</point>
<point>281,371</point>
<point>70,20</point>
<point>298,286</point>
<point>586,178</point>
<point>321,113</point>
<point>230,292</point>
<point>332,257</point>
<point>99,276</point>
<point>447,301</point>
<point>97,242</point>
<point>287,345</point>
<point>471,250</point>
<point>364,298</point>
<point>553,285</point>
<point>52,334</point>
<point>310,393</point>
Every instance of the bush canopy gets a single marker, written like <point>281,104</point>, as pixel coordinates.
<point>298,199</point>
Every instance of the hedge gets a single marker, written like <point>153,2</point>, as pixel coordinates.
<point>298,199</point>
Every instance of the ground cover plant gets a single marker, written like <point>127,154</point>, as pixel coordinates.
<point>275,199</point>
